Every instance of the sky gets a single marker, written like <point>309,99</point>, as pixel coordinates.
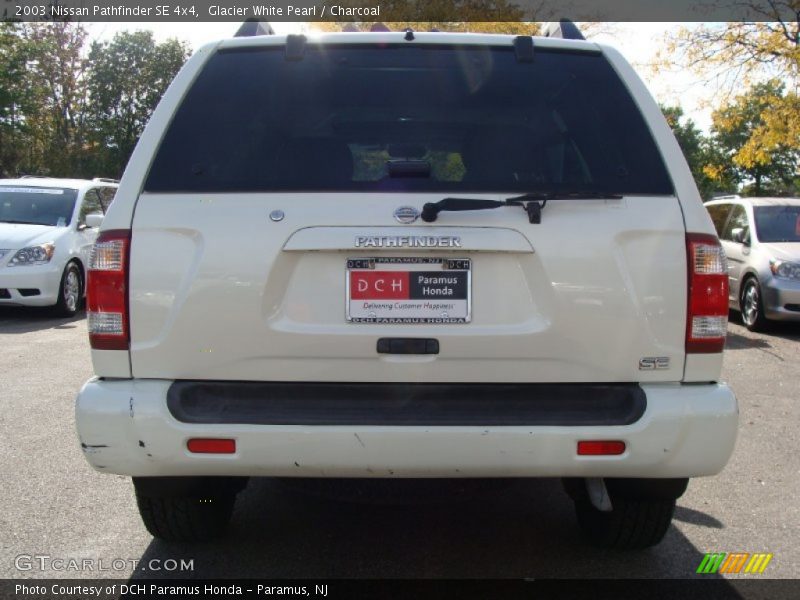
<point>638,42</point>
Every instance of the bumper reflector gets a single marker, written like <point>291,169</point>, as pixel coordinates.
<point>211,446</point>
<point>601,448</point>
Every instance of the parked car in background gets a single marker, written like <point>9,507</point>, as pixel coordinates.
<point>47,229</point>
<point>761,237</point>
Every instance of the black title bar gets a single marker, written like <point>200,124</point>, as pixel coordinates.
<point>398,10</point>
<point>508,589</point>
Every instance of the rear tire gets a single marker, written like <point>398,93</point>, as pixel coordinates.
<point>631,525</point>
<point>641,512</point>
<point>752,307</point>
<point>199,512</point>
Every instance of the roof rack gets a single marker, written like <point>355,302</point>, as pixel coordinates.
<point>34,177</point>
<point>564,29</point>
<point>105,180</point>
<point>253,27</point>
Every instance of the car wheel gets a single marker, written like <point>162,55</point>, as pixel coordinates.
<point>641,512</point>
<point>198,511</point>
<point>184,519</point>
<point>752,307</point>
<point>70,292</point>
<point>630,525</point>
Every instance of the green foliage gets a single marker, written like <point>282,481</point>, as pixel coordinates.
<point>758,131</point>
<point>40,97</point>
<point>699,150</point>
<point>15,98</point>
<point>750,152</point>
<point>127,78</point>
<point>54,74</point>
<point>72,113</point>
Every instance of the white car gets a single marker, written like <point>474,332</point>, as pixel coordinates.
<point>47,229</point>
<point>400,254</point>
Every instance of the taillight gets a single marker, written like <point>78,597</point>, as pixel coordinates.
<point>707,317</point>
<point>107,291</point>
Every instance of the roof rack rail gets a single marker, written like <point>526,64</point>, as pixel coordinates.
<point>33,177</point>
<point>564,29</point>
<point>105,180</point>
<point>253,27</point>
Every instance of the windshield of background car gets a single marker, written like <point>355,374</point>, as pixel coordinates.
<point>37,205</point>
<point>777,223</point>
<point>407,118</point>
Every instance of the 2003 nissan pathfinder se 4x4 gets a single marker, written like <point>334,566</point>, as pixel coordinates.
<point>403,254</point>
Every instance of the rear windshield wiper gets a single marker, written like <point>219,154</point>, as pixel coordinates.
<point>532,202</point>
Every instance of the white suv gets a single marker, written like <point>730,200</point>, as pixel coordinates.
<point>408,255</point>
<point>47,229</point>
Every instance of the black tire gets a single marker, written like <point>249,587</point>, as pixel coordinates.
<point>186,519</point>
<point>631,525</point>
<point>70,292</point>
<point>752,306</point>
<point>640,517</point>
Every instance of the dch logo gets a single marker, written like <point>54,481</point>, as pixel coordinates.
<point>379,285</point>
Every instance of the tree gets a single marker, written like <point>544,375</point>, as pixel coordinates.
<point>731,52</point>
<point>735,55</point>
<point>700,151</point>
<point>735,127</point>
<point>125,81</point>
<point>41,98</point>
<point>55,69</point>
<point>67,113</point>
<point>14,99</point>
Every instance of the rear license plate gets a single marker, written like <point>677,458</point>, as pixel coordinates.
<point>409,290</point>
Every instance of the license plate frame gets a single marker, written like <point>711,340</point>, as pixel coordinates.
<point>437,307</point>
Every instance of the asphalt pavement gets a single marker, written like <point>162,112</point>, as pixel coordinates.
<point>55,505</point>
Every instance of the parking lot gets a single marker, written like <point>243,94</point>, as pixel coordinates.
<point>55,505</point>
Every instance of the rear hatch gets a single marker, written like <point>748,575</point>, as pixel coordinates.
<point>277,236</point>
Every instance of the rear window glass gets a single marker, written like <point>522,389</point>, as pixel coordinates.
<point>406,118</point>
<point>777,223</point>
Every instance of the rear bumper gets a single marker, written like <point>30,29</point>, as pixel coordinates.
<point>407,404</point>
<point>126,427</point>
